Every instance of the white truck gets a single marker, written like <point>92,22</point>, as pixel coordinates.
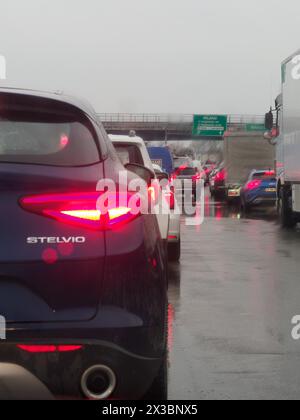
<point>288,143</point>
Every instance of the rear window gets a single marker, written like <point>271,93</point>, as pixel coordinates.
<point>129,154</point>
<point>38,131</point>
<point>181,161</point>
<point>186,171</point>
<point>264,175</point>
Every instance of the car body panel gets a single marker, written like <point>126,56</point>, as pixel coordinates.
<point>175,214</point>
<point>217,181</point>
<point>163,219</point>
<point>175,228</point>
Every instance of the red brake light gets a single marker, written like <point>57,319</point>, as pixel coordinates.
<point>93,215</point>
<point>170,197</point>
<point>182,167</point>
<point>80,209</point>
<point>48,348</point>
<point>252,185</point>
<point>64,141</point>
<point>220,176</point>
<point>269,173</point>
<point>154,192</point>
<point>118,213</point>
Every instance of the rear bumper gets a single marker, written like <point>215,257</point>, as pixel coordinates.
<point>133,351</point>
<point>18,384</point>
<point>62,372</point>
<point>219,189</point>
<point>219,186</point>
<point>261,201</point>
<point>174,230</point>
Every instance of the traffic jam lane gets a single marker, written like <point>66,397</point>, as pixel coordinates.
<point>232,300</point>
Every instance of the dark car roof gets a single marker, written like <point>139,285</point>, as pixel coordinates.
<point>261,171</point>
<point>57,96</point>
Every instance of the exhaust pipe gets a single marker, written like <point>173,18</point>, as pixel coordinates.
<point>98,382</point>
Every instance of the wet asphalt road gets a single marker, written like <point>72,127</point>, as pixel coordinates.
<point>232,299</point>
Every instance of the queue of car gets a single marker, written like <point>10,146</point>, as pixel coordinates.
<point>259,190</point>
<point>90,271</point>
<point>246,176</point>
<point>132,150</point>
<point>174,234</point>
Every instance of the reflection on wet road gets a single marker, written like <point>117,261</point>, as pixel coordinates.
<point>232,300</point>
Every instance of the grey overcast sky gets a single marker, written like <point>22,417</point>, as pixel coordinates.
<point>171,56</point>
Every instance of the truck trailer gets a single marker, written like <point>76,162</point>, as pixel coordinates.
<point>288,143</point>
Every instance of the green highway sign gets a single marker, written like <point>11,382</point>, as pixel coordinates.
<point>209,125</point>
<point>255,127</point>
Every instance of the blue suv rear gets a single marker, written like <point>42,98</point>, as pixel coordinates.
<point>260,190</point>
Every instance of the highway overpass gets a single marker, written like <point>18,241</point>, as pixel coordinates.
<point>171,126</point>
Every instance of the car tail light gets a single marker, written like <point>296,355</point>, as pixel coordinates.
<point>154,192</point>
<point>81,209</point>
<point>220,176</point>
<point>179,170</point>
<point>182,167</point>
<point>269,173</point>
<point>252,185</point>
<point>48,348</point>
<point>170,197</point>
<point>196,177</point>
<point>64,141</point>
